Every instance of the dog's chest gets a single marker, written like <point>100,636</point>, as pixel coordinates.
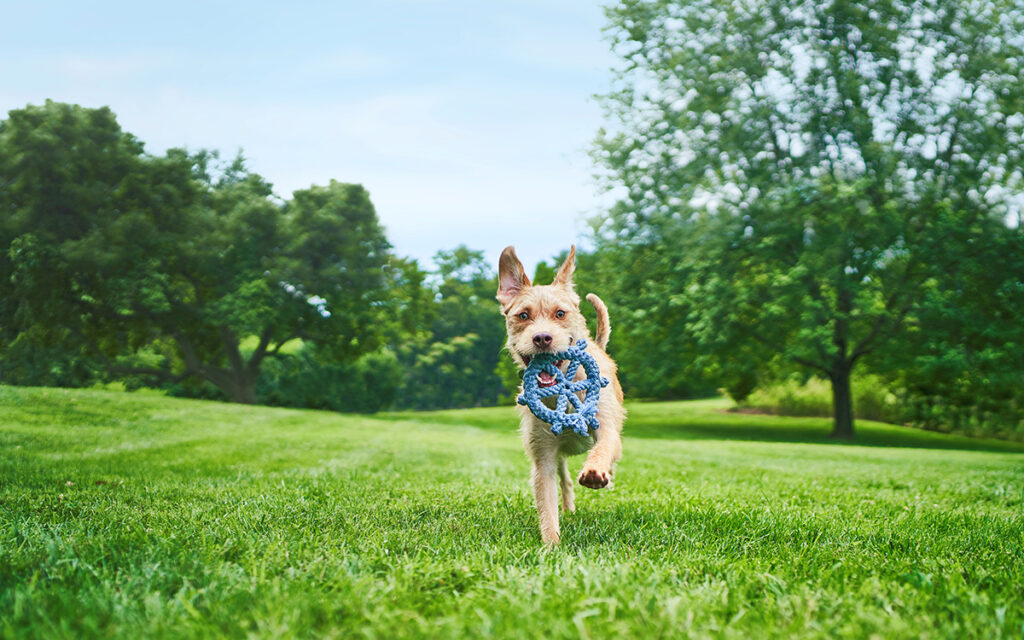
<point>571,443</point>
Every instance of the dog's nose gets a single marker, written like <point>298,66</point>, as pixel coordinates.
<point>542,340</point>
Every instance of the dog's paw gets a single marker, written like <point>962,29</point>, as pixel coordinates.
<point>551,540</point>
<point>594,479</point>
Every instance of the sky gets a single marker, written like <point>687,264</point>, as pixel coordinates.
<point>468,122</point>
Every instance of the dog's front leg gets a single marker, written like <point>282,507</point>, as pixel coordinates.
<point>542,449</point>
<point>545,494</point>
<point>600,464</point>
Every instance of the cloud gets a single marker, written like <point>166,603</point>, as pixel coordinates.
<point>96,67</point>
<point>347,62</point>
<point>63,69</point>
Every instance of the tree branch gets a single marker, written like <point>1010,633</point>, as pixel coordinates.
<point>220,377</point>
<point>252,367</point>
<point>867,345</point>
<point>120,370</point>
<point>797,359</point>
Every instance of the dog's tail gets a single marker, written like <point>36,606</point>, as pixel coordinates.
<point>604,328</point>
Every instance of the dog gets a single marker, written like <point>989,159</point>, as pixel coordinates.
<point>542,319</point>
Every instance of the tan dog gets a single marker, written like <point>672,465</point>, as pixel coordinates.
<point>543,319</point>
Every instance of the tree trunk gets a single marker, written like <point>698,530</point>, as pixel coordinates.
<point>243,392</point>
<point>237,382</point>
<point>238,389</point>
<point>842,404</point>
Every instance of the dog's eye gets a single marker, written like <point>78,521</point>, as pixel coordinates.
<point>559,314</point>
<point>524,316</point>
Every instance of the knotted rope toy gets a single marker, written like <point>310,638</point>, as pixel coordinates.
<point>584,414</point>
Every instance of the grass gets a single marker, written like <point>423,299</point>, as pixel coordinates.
<point>125,515</point>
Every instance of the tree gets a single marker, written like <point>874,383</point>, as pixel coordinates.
<point>310,270</point>
<point>179,266</point>
<point>656,357</point>
<point>813,157</point>
<point>457,363</point>
<point>69,180</point>
<point>962,362</point>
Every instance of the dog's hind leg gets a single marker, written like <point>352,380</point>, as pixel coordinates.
<point>567,485</point>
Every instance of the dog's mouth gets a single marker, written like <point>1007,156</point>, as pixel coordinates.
<point>544,379</point>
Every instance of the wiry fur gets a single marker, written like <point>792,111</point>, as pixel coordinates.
<point>549,452</point>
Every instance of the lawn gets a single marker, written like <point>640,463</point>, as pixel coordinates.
<point>133,515</point>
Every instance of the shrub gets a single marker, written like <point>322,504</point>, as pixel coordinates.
<point>309,379</point>
<point>872,400</point>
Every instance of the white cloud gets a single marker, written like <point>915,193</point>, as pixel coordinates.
<point>347,62</point>
<point>62,69</point>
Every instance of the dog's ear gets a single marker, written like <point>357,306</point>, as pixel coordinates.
<point>511,276</point>
<point>564,275</point>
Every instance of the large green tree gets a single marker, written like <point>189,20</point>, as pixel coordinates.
<point>807,161</point>
<point>167,267</point>
<point>310,269</point>
<point>71,183</point>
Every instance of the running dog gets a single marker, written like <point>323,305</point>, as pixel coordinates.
<point>547,318</point>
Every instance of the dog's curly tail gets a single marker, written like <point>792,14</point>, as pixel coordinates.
<point>604,328</point>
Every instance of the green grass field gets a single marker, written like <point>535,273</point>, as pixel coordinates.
<point>129,515</point>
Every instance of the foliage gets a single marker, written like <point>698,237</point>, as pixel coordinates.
<point>311,380</point>
<point>442,347</point>
<point>962,362</point>
<point>187,273</point>
<point>657,356</point>
<point>457,362</point>
<point>65,173</point>
<point>182,257</point>
<point>794,170</point>
<point>130,515</point>
<point>654,356</point>
<point>54,360</point>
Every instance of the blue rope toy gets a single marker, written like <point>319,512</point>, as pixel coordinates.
<point>585,411</point>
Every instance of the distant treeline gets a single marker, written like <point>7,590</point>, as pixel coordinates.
<point>186,273</point>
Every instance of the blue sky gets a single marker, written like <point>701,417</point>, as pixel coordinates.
<point>469,122</point>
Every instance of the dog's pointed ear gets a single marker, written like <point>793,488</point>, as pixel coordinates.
<point>512,277</point>
<point>564,275</point>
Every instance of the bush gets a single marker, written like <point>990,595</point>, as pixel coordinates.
<point>872,400</point>
<point>40,357</point>
<point>459,372</point>
<point>794,398</point>
<point>975,411</point>
<point>312,380</point>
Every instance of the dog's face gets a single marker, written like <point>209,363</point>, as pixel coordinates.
<point>539,319</point>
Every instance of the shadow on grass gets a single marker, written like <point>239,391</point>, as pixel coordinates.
<point>708,420</point>
<point>768,428</point>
